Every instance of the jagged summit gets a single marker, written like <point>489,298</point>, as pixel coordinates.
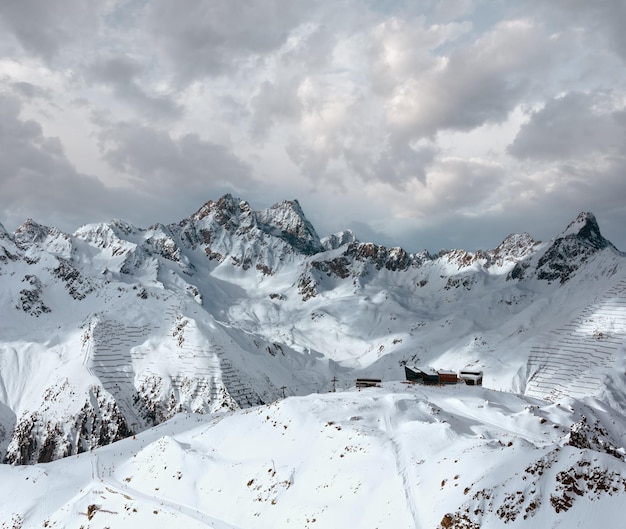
<point>223,210</point>
<point>336,240</point>
<point>293,226</point>
<point>31,232</point>
<point>233,216</point>
<point>576,245</point>
<point>514,248</point>
<point>585,228</point>
<point>230,304</point>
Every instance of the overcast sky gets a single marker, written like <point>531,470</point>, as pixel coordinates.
<point>431,124</point>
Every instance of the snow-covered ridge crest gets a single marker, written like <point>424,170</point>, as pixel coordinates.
<point>285,221</point>
<point>232,306</point>
<point>391,457</point>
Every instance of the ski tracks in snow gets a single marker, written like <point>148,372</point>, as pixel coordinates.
<point>121,488</point>
<point>402,464</point>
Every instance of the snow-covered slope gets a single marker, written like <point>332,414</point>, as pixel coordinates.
<point>391,458</point>
<point>115,328</point>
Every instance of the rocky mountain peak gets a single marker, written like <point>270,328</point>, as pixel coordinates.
<point>336,240</point>
<point>574,246</point>
<point>292,225</point>
<point>513,248</point>
<point>224,211</point>
<point>585,228</point>
<point>31,232</point>
<point>112,236</point>
<point>121,227</point>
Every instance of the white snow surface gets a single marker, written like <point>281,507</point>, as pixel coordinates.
<point>115,329</point>
<point>400,456</point>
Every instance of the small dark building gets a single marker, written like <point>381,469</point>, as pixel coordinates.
<point>423,375</point>
<point>472,377</point>
<point>368,382</point>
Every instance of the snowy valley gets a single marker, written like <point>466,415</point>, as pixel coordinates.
<point>180,375</point>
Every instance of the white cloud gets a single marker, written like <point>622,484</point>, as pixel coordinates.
<point>473,85</point>
<point>407,117</point>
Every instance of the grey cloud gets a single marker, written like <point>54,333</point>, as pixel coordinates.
<point>209,38</point>
<point>402,49</point>
<point>43,27</point>
<point>29,90</point>
<point>397,164</point>
<point>564,189</point>
<point>602,20</point>
<point>455,185</point>
<point>573,126</point>
<point>272,102</point>
<point>160,163</point>
<point>422,94</point>
<point>124,76</point>
<point>309,56</point>
<point>37,180</point>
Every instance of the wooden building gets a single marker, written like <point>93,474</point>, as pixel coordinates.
<point>447,377</point>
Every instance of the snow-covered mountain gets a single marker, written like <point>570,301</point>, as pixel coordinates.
<point>398,457</point>
<point>114,329</point>
<point>119,333</point>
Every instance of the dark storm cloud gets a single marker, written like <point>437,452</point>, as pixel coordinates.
<point>208,38</point>
<point>37,180</point>
<point>161,163</point>
<point>123,75</point>
<point>43,27</point>
<point>572,126</point>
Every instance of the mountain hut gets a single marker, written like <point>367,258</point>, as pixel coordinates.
<point>472,377</point>
<point>447,377</point>
<point>424,375</point>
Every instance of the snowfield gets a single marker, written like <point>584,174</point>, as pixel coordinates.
<point>181,376</point>
<point>400,456</point>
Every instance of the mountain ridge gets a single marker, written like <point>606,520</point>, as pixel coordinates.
<point>226,307</point>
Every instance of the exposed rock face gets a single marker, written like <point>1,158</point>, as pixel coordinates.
<point>595,437</point>
<point>251,239</point>
<point>337,240</point>
<point>572,248</point>
<point>30,298</point>
<point>513,249</point>
<point>287,220</point>
<point>37,439</point>
<point>117,272</point>
<point>77,286</point>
